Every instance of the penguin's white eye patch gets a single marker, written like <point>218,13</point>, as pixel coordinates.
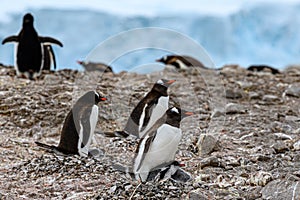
<point>175,110</point>
<point>165,58</point>
<point>160,82</point>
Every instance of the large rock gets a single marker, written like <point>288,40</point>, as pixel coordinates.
<point>293,90</point>
<point>206,144</point>
<point>281,190</point>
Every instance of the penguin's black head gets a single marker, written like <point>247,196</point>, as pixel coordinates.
<point>165,82</point>
<point>99,97</point>
<point>162,85</point>
<point>167,59</point>
<point>91,97</point>
<point>28,19</point>
<point>175,115</point>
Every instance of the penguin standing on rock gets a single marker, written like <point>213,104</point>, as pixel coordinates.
<point>149,109</point>
<point>181,62</point>
<point>29,49</point>
<point>157,148</point>
<point>79,126</point>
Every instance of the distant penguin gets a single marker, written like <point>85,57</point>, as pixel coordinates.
<point>149,109</point>
<point>182,62</point>
<point>260,68</point>
<point>93,66</point>
<point>79,126</point>
<point>29,49</point>
<point>49,57</point>
<point>158,146</point>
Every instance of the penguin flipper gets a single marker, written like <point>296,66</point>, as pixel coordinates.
<point>13,38</point>
<point>50,40</point>
<point>127,170</point>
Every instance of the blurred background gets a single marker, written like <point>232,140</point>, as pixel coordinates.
<point>232,32</point>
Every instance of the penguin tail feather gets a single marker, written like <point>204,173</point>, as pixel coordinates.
<point>46,146</point>
<point>128,170</point>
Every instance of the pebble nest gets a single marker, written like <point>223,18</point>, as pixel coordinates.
<point>242,143</point>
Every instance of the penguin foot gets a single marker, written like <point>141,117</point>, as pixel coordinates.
<point>96,153</point>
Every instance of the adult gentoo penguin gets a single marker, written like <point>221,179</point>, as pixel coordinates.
<point>149,109</point>
<point>158,146</point>
<point>180,62</point>
<point>79,126</point>
<point>29,49</point>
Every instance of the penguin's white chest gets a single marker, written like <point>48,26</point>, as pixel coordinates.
<point>86,136</point>
<point>157,112</point>
<point>165,144</point>
<point>182,65</point>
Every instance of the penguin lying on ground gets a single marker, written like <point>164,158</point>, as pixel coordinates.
<point>181,62</point>
<point>29,49</point>
<point>93,66</point>
<point>79,126</point>
<point>147,111</point>
<point>260,68</point>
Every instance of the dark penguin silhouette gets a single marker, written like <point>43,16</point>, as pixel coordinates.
<point>29,55</point>
<point>182,62</point>
<point>260,68</point>
<point>79,126</point>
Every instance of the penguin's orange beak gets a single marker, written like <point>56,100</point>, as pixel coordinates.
<point>103,99</point>
<point>170,82</point>
<point>188,113</point>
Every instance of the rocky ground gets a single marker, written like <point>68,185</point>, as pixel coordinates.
<point>243,142</point>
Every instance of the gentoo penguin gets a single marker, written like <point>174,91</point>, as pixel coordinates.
<point>49,57</point>
<point>149,109</point>
<point>93,66</point>
<point>259,68</point>
<point>29,49</point>
<point>158,146</point>
<point>182,62</point>
<point>79,126</point>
